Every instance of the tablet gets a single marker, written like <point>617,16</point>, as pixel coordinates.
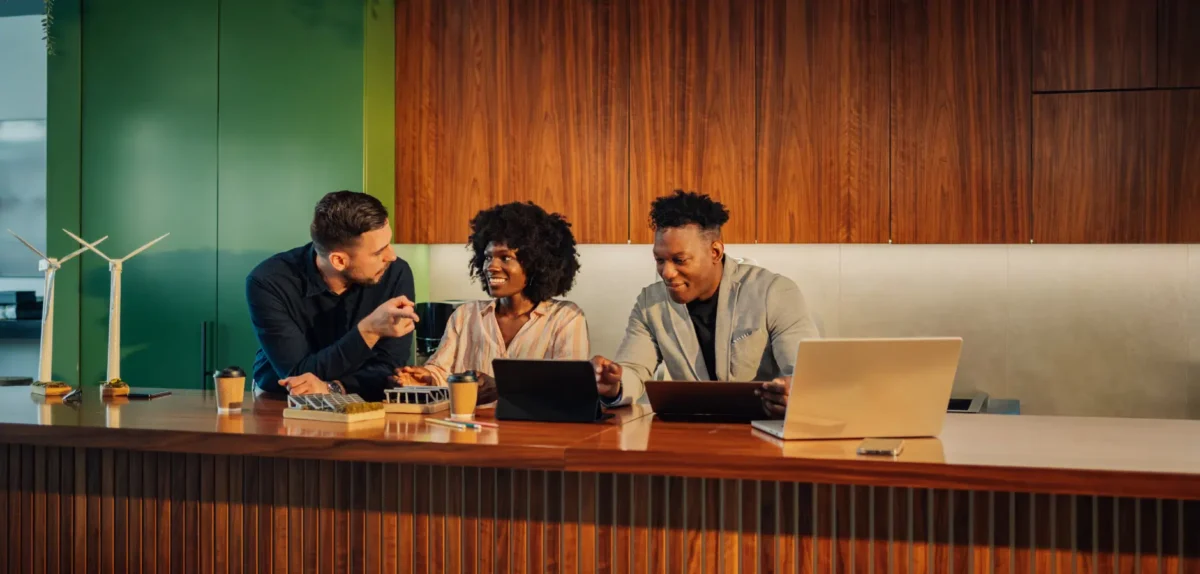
<point>705,401</point>
<point>547,390</point>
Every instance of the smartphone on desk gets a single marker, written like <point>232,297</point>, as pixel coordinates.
<point>881,446</point>
<point>147,396</point>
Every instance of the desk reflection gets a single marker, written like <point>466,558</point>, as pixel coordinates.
<point>922,450</point>
<point>324,429</point>
<point>414,428</point>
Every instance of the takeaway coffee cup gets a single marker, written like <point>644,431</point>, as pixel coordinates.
<point>231,389</point>
<point>464,391</point>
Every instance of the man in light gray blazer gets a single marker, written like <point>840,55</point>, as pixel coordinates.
<point>710,318</point>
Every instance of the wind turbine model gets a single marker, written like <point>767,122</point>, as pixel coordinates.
<point>113,385</point>
<point>49,265</point>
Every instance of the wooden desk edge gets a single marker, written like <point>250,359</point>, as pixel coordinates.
<point>892,474</point>
<point>587,459</point>
<point>295,447</point>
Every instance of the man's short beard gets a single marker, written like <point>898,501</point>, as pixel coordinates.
<point>367,282</point>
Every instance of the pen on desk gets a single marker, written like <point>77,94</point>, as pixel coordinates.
<point>485,425</point>
<point>453,424</point>
<point>444,423</point>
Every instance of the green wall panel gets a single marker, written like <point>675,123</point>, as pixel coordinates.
<point>379,126</point>
<point>221,122</point>
<point>291,130</point>
<point>149,161</point>
<point>379,102</point>
<point>62,181</point>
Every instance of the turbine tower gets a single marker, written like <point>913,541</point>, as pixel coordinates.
<point>113,385</point>
<point>44,385</point>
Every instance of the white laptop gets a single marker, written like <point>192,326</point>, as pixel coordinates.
<point>868,388</point>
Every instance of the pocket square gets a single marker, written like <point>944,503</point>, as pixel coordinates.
<point>741,336</point>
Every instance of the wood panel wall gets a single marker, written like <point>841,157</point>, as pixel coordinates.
<point>511,100</point>
<point>1094,44</point>
<point>960,122</point>
<point>1179,44</point>
<point>907,121</point>
<point>823,121</point>
<point>1117,167</point>
<point>692,107</point>
<point>87,510</point>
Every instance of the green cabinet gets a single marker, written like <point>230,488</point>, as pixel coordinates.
<point>221,122</point>
<point>291,85</point>
<point>149,166</point>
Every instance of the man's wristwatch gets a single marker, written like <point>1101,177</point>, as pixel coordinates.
<point>336,387</point>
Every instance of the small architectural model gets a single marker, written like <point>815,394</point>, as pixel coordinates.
<point>332,408</point>
<point>416,399</point>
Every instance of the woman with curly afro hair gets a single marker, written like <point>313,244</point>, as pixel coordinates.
<point>523,257</point>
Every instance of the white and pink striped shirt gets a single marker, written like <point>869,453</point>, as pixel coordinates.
<point>556,330</point>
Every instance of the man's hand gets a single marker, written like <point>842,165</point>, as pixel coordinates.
<point>409,376</point>
<point>394,318</point>
<point>306,384</point>
<point>608,377</point>
<point>774,396</point>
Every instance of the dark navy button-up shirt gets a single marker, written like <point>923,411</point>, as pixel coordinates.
<point>303,327</point>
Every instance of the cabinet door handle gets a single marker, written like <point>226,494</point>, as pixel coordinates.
<point>204,362</point>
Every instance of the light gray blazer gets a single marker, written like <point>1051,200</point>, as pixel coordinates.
<point>761,318</point>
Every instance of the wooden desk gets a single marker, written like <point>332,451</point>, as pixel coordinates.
<point>169,485</point>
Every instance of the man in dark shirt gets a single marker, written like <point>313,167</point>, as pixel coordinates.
<point>335,315</point>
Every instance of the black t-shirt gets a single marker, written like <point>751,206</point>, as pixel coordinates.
<point>704,318</point>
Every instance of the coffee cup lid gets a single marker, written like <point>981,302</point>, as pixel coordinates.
<point>467,377</point>
<point>230,372</point>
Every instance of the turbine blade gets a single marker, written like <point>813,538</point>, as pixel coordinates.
<point>80,250</point>
<point>144,247</point>
<point>88,245</point>
<point>34,249</point>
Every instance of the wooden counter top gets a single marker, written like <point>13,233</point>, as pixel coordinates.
<point>187,421</point>
<point>1069,455</point>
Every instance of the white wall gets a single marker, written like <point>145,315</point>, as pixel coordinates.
<point>1081,330</point>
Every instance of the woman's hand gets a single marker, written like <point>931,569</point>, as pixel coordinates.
<point>413,376</point>
<point>487,388</point>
